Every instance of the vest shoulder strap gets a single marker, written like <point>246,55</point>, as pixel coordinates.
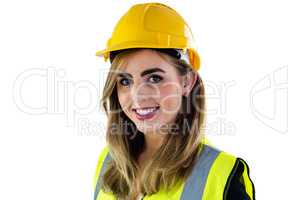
<point>218,176</point>
<point>196,183</point>
<point>103,159</point>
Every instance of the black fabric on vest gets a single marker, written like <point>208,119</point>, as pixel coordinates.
<point>235,186</point>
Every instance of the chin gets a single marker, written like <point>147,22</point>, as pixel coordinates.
<point>144,128</point>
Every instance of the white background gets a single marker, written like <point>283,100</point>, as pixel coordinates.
<point>52,128</point>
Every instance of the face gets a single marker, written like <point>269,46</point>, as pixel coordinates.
<point>149,90</point>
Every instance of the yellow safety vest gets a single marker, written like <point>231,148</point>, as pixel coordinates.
<point>213,170</point>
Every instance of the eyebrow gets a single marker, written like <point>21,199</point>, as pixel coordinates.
<point>148,71</point>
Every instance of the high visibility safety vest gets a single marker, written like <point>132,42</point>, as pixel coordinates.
<point>209,179</point>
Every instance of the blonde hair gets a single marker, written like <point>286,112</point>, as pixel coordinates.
<point>175,158</point>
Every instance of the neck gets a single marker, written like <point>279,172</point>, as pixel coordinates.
<point>153,141</point>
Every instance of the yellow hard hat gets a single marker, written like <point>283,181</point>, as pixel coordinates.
<point>152,25</point>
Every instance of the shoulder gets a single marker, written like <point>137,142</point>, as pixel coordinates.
<point>229,172</point>
<point>102,155</point>
<point>239,185</point>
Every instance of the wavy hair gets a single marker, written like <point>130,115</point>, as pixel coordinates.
<point>176,157</point>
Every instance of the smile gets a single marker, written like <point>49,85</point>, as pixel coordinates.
<point>146,113</point>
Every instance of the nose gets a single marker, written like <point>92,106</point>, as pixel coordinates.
<point>142,93</point>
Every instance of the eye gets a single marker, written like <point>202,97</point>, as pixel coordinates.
<point>124,81</point>
<point>155,78</point>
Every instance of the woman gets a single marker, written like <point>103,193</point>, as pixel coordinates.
<point>155,102</point>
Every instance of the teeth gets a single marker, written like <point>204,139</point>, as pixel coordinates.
<point>145,111</point>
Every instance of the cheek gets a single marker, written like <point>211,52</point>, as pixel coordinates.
<point>170,99</point>
<point>124,100</point>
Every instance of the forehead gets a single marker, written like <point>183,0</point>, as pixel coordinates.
<point>140,60</point>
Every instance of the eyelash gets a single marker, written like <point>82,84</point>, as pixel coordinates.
<point>154,75</point>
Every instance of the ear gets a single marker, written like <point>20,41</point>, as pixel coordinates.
<point>189,81</point>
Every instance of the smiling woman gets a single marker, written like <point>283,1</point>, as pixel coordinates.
<point>155,103</point>
<point>154,91</point>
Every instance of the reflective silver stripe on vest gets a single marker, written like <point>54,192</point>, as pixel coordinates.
<point>102,170</point>
<point>195,184</point>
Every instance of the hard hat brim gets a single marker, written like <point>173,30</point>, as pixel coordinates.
<point>105,52</point>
